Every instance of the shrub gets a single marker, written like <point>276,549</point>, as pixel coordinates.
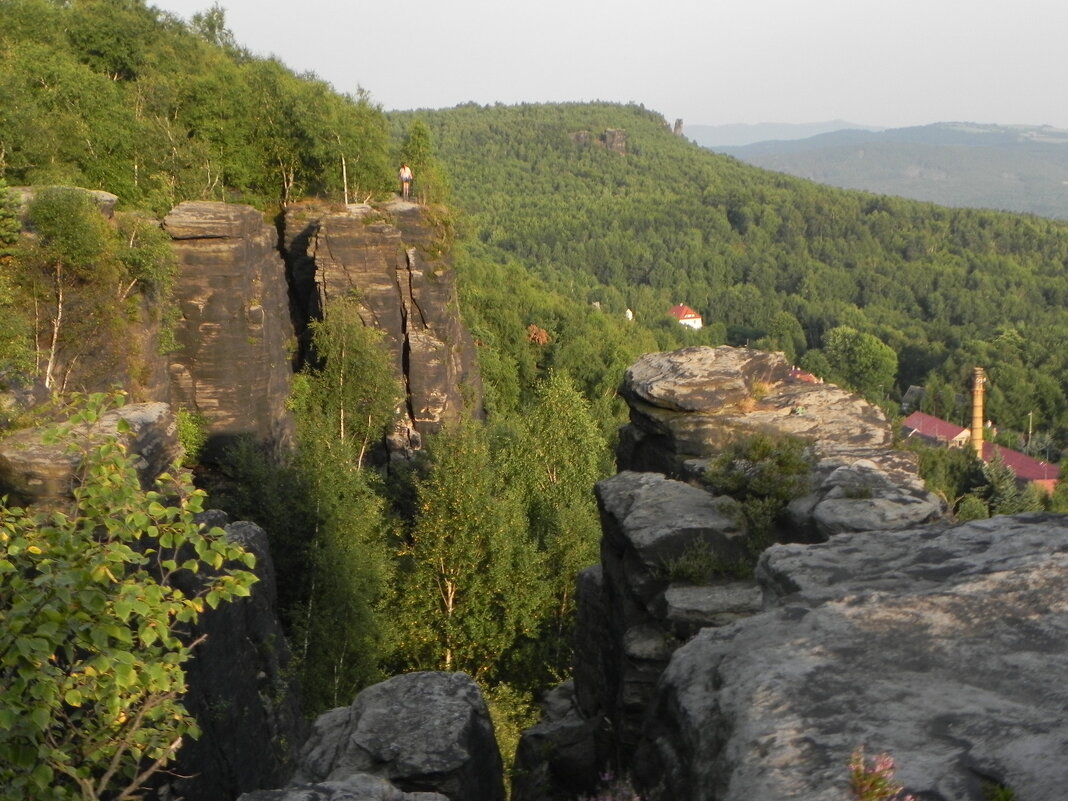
<point>192,434</point>
<point>97,603</point>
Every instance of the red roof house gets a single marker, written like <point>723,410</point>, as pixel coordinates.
<point>940,432</point>
<point>1033,471</point>
<point>687,316</point>
<point>935,430</point>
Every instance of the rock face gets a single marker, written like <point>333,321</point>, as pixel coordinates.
<point>234,332</point>
<point>36,472</point>
<point>238,690</point>
<point>644,601</point>
<point>418,733</point>
<point>391,258</point>
<point>685,406</point>
<point>651,523</point>
<point>946,647</point>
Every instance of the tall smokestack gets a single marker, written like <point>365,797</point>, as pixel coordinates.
<point>978,389</point>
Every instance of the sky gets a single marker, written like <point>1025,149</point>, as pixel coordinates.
<point>882,63</point>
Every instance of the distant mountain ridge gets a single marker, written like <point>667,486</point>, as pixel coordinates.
<point>1021,168</point>
<point>717,136</point>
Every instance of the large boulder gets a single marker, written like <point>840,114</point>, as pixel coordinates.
<point>422,732</point>
<point>687,405</point>
<point>393,259</point>
<point>234,333</point>
<point>943,646</point>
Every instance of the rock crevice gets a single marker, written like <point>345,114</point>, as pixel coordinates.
<point>386,257</point>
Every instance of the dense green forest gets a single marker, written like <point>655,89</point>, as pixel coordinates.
<point>465,559</point>
<point>768,260</point>
<point>116,95</point>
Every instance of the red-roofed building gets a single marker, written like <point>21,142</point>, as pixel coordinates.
<point>941,432</point>
<point>687,316</point>
<point>935,430</point>
<point>1027,470</point>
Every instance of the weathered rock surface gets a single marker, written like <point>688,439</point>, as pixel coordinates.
<point>686,405</point>
<point>391,258</point>
<point>649,523</point>
<point>422,732</point>
<point>944,646</point>
<point>239,690</point>
<point>235,331</point>
<point>34,471</point>
<point>561,756</point>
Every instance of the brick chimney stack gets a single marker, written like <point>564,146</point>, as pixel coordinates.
<point>978,390</point>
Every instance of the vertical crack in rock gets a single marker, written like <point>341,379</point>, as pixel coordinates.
<point>380,253</point>
<point>406,300</point>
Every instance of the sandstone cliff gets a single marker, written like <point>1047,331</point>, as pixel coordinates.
<point>393,260</point>
<point>233,362</point>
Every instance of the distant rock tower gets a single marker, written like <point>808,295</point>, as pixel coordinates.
<point>615,139</point>
<point>678,127</point>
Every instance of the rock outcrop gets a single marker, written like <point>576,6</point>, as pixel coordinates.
<point>36,471</point>
<point>644,601</point>
<point>944,646</point>
<point>234,334</point>
<point>391,259</point>
<point>422,734</point>
<point>687,405</point>
<point>251,725</point>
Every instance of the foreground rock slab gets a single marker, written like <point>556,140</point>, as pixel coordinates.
<point>944,646</point>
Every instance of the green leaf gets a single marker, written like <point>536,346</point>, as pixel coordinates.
<point>40,718</point>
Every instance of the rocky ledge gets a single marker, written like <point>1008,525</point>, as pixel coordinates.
<point>687,405</point>
<point>35,469</point>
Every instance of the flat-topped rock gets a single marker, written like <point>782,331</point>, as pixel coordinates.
<point>686,406</point>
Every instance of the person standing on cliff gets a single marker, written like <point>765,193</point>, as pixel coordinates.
<point>405,176</point>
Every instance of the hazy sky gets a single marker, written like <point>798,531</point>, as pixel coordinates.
<point>874,62</point>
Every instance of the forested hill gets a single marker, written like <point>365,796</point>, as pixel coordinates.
<point>117,95</point>
<point>769,259</point>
